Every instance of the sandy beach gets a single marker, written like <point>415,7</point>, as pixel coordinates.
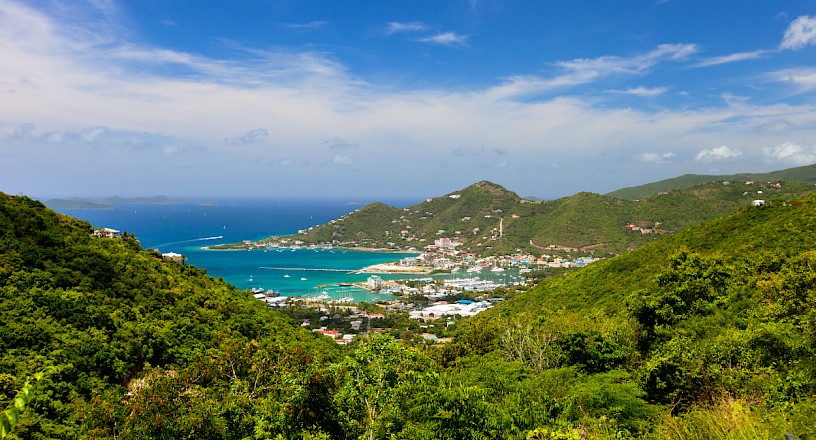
<point>387,268</point>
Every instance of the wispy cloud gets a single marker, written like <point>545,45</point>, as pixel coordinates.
<point>716,154</point>
<point>343,160</point>
<point>447,39</point>
<point>775,126</point>
<point>656,157</point>
<point>340,144</point>
<point>800,33</point>
<point>803,79</point>
<point>317,24</point>
<point>601,66</point>
<point>395,27</point>
<point>733,58</point>
<point>644,92</point>
<point>250,137</point>
<point>584,71</point>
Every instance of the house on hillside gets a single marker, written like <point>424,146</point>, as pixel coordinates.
<point>107,233</point>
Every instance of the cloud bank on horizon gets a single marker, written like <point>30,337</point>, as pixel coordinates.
<point>308,99</point>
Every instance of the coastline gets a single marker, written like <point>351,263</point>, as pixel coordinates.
<point>396,269</point>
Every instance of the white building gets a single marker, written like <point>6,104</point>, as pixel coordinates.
<point>374,282</point>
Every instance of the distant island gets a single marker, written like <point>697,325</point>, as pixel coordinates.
<point>109,202</point>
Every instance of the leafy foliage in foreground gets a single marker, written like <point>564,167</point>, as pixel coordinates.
<point>100,313</point>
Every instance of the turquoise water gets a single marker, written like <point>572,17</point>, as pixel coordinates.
<point>187,228</point>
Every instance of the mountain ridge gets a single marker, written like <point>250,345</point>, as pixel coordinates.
<point>488,219</point>
<point>805,173</point>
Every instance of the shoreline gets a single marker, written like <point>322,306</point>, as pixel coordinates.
<point>394,269</point>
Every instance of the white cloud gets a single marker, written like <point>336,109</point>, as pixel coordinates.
<point>317,24</point>
<point>722,152</point>
<point>256,136</point>
<point>397,27</point>
<point>800,33</point>
<point>608,65</point>
<point>447,39</point>
<point>733,58</point>
<point>343,160</point>
<point>790,153</point>
<point>644,92</point>
<point>340,144</point>
<point>803,79</point>
<point>774,126</point>
<point>584,71</point>
<point>656,157</point>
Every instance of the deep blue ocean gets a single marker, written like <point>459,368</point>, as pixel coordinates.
<point>187,228</point>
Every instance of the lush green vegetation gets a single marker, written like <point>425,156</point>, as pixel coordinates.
<point>805,174</point>
<point>707,328</point>
<point>707,333</point>
<point>100,314</point>
<point>585,221</point>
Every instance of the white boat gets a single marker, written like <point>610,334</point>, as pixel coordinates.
<point>286,276</point>
<point>475,269</point>
<point>302,278</point>
<point>497,269</point>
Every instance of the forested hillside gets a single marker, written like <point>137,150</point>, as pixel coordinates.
<point>705,334</point>
<point>99,316</point>
<point>488,219</point>
<point>804,174</point>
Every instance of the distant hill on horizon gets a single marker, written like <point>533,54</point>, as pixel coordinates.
<point>108,202</point>
<point>799,174</point>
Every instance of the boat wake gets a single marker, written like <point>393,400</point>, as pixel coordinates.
<point>217,237</point>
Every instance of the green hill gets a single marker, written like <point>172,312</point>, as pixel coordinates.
<point>101,316</point>
<point>712,325</point>
<point>488,219</point>
<point>798,174</point>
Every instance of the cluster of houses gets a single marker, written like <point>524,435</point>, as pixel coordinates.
<point>445,255</point>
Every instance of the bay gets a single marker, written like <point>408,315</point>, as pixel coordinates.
<point>188,228</point>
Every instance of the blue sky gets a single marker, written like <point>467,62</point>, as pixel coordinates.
<point>398,99</point>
